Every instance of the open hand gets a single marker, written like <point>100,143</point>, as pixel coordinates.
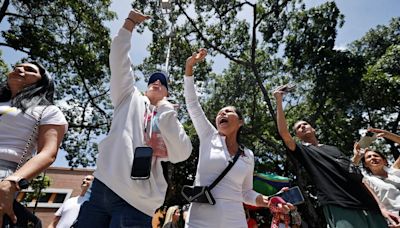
<point>380,132</point>
<point>196,57</point>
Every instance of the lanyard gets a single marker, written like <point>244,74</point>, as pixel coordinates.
<point>146,121</point>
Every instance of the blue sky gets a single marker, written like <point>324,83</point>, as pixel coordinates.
<point>360,16</point>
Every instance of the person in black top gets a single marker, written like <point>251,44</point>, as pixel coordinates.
<point>346,201</point>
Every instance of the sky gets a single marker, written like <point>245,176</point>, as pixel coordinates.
<point>360,17</point>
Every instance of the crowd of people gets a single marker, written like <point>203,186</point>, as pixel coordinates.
<point>32,127</point>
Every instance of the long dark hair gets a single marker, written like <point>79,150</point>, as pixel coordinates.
<point>39,93</point>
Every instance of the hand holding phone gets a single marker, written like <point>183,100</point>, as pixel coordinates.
<point>293,195</point>
<point>141,166</point>
<point>288,88</point>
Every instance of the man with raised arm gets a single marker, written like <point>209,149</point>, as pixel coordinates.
<point>345,201</point>
<point>147,120</point>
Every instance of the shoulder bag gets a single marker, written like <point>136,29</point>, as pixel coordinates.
<point>202,194</point>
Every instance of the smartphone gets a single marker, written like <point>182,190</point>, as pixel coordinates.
<point>288,87</point>
<point>141,166</point>
<point>366,141</point>
<point>293,196</point>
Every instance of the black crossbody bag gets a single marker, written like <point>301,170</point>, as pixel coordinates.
<point>202,194</point>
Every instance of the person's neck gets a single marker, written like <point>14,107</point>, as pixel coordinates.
<point>312,140</point>
<point>380,172</point>
<point>83,192</point>
<point>232,144</point>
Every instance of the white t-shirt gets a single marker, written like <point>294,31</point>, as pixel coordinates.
<point>16,127</point>
<point>386,189</point>
<point>69,211</point>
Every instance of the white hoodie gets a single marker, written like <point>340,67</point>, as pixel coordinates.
<point>117,149</point>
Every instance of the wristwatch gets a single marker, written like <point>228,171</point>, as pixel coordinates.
<point>20,183</point>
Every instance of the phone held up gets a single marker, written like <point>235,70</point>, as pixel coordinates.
<point>141,166</point>
<point>366,141</point>
<point>293,195</point>
<point>288,88</point>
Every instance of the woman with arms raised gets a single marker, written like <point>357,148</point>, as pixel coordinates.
<point>384,181</point>
<point>218,145</point>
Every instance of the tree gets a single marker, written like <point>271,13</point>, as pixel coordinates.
<point>379,96</point>
<point>70,39</point>
<point>251,36</point>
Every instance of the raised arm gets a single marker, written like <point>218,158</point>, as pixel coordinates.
<point>201,123</point>
<point>281,119</point>
<point>122,77</point>
<point>386,134</point>
<point>358,153</point>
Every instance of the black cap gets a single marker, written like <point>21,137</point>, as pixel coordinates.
<point>159,76</point>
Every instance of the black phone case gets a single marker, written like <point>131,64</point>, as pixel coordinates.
<point>293,196</point>
<point>141,166</point>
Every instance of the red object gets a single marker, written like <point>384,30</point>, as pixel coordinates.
<point>251,207</point>
<point>251,223</point>
<point>277,212</point>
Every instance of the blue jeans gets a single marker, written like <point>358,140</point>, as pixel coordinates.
<point>106,209</point>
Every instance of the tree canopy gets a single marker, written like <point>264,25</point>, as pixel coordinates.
<point>269,43</point>
<point>263,43</point>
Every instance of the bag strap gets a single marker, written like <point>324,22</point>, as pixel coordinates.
<point>226,170</point>
<point>29,142</point>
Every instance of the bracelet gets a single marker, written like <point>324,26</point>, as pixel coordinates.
<point>129,19</point>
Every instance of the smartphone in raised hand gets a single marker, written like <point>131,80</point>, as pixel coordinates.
<point>288,88</point>
<point>366,141</point>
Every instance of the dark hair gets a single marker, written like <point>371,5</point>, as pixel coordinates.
<point>39,93</point>
<point>363,159</point>
<point>309,122</point>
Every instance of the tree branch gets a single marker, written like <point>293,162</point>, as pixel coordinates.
<point>85,86</point>
<point>17,49</point>
<point>255,70</point>
<point>3,9</point>
<point>207,42</point>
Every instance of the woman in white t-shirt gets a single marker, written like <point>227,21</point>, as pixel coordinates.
<point>218,145</point>
<point>24,97</point>
<point>384,181</point>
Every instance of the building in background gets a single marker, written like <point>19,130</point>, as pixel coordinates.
<point>65,183</point>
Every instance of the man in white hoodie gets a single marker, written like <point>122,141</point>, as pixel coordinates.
<point>138,121</point>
